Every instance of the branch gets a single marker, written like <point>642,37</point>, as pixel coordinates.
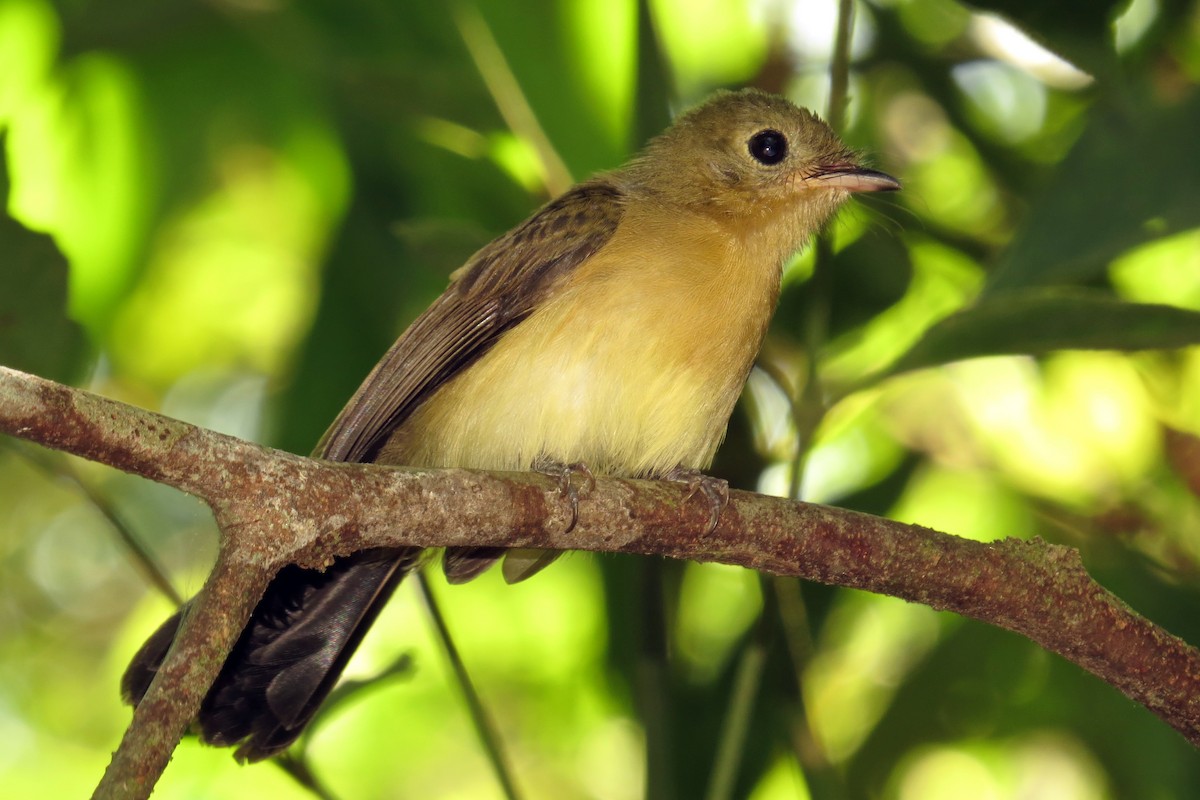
<point>275,508</point>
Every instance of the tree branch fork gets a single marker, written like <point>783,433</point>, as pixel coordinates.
<point>275,508</point>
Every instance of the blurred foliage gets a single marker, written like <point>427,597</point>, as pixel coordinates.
<point>251,198</point>
<point>33,280</point>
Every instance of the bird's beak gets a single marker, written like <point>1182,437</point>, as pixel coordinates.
<point>852,178</point>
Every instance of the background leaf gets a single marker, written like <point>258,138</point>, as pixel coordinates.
<point>1038,322</point>
<point>255,198</point>
<point>1079,30</point>
<point>35,333</point>
<point>1126,181</point>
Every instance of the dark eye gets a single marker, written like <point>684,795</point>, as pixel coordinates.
<point>768,147</point>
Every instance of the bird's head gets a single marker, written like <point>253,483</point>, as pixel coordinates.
<point>755,159</point>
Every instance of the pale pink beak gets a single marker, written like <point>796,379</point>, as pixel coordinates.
<point>855,179</point>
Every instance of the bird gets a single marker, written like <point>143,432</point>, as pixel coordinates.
<point>610,333</point>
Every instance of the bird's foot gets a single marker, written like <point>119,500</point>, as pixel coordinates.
<point>522,563</point>
<point>715,491</point>
<point>566,486</point>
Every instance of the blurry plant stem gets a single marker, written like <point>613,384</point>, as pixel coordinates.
<point>742,698</point>
<point>299,770</point>
<point>484,726</point>
<point>786,599</point>
<point>506,91</point>
<point>839,68</point>
<point>808,411</point>
<point>782,596</point>
<point>655,82</point>
<point>652,684</point>
<point>349,689</point>
<point>295,761</point>
<point>56,466</point>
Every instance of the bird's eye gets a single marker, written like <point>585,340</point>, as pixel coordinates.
<point>768,147</point>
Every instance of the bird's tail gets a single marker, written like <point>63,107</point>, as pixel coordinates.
<point>290,654</point>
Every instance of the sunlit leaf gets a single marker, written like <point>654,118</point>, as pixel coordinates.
<point>1079,30</point>
<point>1131,178</point>
<point>1039,322</point>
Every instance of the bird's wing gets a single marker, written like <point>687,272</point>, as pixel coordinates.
<point>495,290</point>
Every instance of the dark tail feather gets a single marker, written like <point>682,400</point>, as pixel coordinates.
<point>462,564</point>
<point>290,655</point>
<point>144,666</point>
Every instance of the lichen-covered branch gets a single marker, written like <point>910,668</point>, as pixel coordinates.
<point>274,508</point>
<point>160,720</point>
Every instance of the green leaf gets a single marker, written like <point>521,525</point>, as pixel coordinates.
<point>35,333</point>
<point>1078,30</point>
<point>1131,178</point>
<point>1039,322</point>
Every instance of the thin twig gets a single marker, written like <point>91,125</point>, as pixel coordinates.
<point>839,67</point>
<point>797,635</point>
<point>510,99</point>
<point>485,728</point>
<point>348,690</point>
<point>809,411</point>
<point>295,760</point>
<point>736,726</point>
<point>299,770</point>
<point>149,567</point>
<point>651,679</point>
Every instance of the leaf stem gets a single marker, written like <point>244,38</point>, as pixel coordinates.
<point>489,737</point>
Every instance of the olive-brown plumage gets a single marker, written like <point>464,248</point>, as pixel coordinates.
<point>615,327</point>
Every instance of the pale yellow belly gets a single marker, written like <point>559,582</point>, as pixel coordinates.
<point>580,393</point>
<point>631,377</point>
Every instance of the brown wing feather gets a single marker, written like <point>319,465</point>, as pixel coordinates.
<point>308,624</point>
<point>491,293</point>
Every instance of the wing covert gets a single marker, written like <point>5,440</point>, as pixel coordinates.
<point>495,290</point>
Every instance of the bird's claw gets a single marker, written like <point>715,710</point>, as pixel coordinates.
<point>715,491</point>
<point>566,487</point>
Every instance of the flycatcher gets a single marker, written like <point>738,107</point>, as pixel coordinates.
<point>614,328</point>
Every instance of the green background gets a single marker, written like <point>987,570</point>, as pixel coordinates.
<point>227,210</point>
